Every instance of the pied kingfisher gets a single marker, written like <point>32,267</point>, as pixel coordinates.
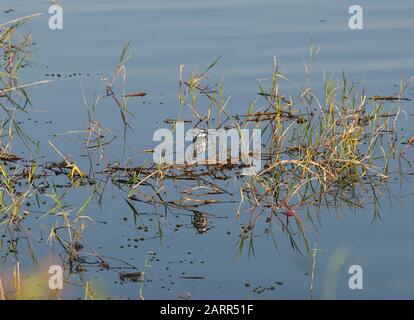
<point>200,142</point>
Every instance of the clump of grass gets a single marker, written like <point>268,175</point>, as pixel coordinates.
<point>16,50</point>
<point>329,152</point>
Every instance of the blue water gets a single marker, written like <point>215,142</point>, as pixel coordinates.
<point>166,34</point>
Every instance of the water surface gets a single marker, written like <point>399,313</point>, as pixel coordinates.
<point>166,34</point>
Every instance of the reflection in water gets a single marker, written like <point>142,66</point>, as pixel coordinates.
<point>200,222</point>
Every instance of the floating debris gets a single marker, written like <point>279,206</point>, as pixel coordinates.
<point>9,157</point>
<point>388,98</point>
<point>131,276</point>
<point>193,277</point>
<point>135,94</point>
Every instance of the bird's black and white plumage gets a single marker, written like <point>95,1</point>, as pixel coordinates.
<point>200,142</point>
